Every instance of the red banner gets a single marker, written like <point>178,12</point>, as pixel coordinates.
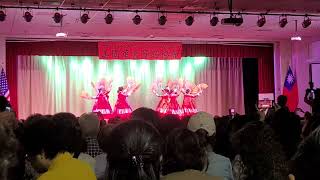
<point>140,50</point>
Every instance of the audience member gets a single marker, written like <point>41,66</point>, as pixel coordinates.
<point>4,104</point>
<point>9,160</point>
<point>146,114</point>
<point>49,146</point>
<point>314,103</point>
<point>134,152</point>
<point>307,159</point>
<point>260,156</point>
<point>184,157</point>
<point>168,123</point>
<point>101,160</point>
<point>287,128</point>
<point>203,125</point>
<point>90,126</point>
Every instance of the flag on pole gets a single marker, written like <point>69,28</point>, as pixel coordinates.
<point>290,90</point>
<point>4,88</point>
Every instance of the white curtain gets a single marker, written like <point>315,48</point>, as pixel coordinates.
<point>225,79</point>
<point>51,84</point>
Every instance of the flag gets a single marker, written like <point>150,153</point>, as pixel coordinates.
<point>4,88</point>
<point>290,90</point>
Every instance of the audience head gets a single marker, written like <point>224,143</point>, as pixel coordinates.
<point>90,124</point>
<point>146,114</point>
<point>39,141</point>
<point>168,123</point>
<point>8,150</point>
<point>134,152</point>
<point>181,148</point>
<point>307,159</point>
<point>282,101</point>
<point>203,125</point>
<point>68,133</point>
<point>260,152</point>
<point>4,103</point>
<point>9,119</point>
<point>103,137</point>
<point>287,128</point>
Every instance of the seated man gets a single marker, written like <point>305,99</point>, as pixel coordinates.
<point>47,147</point>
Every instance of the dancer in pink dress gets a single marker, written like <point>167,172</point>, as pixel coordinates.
<point>174,107</point>
<point>168,103</point>
<point>101,105</point>
<point>163,105</point>
<point>122,108</point>
<point>189,99</point>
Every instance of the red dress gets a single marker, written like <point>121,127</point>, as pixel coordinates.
<point>189,105</point>
<point>174,107</point>
<point>122,109</point>
<point>102,105</point>
<point>163,105</point>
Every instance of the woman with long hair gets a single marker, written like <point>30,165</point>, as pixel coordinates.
<point>134,152</point>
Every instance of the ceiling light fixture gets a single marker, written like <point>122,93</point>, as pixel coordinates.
<point>137,19</point>
<point>108,18</point>
<point>61,34</point>
<point>261,20</point>
<point>162,20</point>
<point>27,16</point>
<point>240,20</point>
<point>84,18</point>
<point>57,17</point>
<point>2,15</point>
<point>214,20</point>
<point>306,22</point>
<point>296,37</point>
<point>189,21</point>
<point>283,21</point>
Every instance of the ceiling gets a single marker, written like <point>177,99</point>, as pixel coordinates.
<point>43,27</point>
<point>239,5</point>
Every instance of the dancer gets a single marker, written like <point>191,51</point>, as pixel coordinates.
<point>175,91</point>
<point>168,103</point>
<point>101,105</point>
<point>122,108</point>
<point>163,105</point>
<point>189,104</point>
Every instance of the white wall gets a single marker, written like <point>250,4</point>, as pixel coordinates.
<point>2,52</point>
<point>297,54</point>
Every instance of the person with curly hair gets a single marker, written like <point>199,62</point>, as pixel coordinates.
<point>8,151</point>
<point>260,156</point>
<point>50,144</point>
<point>306,160</point>
<point>184,157</point>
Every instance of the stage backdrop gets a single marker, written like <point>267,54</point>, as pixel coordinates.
<point>50,84</point>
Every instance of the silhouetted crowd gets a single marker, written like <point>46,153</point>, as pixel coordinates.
<point>274,144</point>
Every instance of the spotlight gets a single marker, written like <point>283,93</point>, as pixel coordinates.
<point>306,22</point>
<point>2,16</point>
<point>214,21</point>
<point>261,21</point>
<point>189,20</point>
<point>85,18</point>
<point>162,20</point>
<point>28,16</point>
<point>57,17</point>
<point>108,18</point>
<point>283,21</point>
<point>239,21</point>
<point>137,19</point>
